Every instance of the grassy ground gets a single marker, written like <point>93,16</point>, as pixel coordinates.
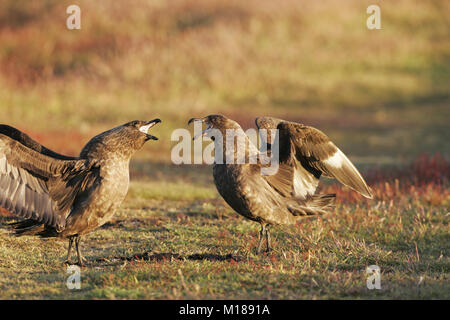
<point>382,96</point>
<point>179,240</point>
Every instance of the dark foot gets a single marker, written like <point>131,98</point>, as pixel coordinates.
<point>81,261</point>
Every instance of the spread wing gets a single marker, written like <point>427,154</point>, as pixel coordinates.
<point>38,187</point>
<point>311,154</point>
<point>283,180</point>
<point>318,155</point>
<point>24,139</point>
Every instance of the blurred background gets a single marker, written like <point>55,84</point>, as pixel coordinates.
<point>381,95</point>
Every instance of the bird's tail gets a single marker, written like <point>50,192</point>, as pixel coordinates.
<point>26,227</point>
<point>313,205</point>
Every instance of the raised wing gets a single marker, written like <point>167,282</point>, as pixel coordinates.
<point>38,187</point>
<point>24,139</point>
<point>319,156</point>
<point>284,181</point>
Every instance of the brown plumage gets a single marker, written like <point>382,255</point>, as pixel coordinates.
<point>282,198</point>
<point>62,196</point>
<point>313,155</point>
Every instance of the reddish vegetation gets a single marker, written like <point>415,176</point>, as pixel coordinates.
<point>427,178</point>
<point>424,170</point>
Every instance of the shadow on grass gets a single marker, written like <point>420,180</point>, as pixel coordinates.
<point>168,256</point>
<point>135,225</point>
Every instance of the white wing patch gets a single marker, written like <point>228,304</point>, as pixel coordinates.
<point>341,168</point>
<point>304,182</point>
<point>337,159</point>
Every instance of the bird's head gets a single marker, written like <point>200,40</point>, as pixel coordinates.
<point>137,130</point>
<point>265,126</point>
<point>124,139</point>
<point>215,122</point>
<point>135,133</point>
<point>267,122</point>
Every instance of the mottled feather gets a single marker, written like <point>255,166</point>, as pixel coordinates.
<point>320,156</point>
<point>65,196</point>
<point>35,186</point>
<point>312,155</point>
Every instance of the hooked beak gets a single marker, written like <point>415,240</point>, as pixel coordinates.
<point>196,119</point>
<point>202,120</point>
<point>147,126</point>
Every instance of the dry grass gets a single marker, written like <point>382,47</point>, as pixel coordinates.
<point>311,62</point>
<point>382,96</point>
<point>179,240</point>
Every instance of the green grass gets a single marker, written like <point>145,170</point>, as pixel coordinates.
<point>181,241</point>
<point>311,62</point>
<point>382,96</point>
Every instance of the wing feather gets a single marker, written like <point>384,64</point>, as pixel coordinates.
<point>318,155</point>
<point>311,153</point>
<point>303,183</point>
<point>24,139</point>
<point>39,187</point>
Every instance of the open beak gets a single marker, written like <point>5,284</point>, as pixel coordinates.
<point>202,120</point>
<point>147,126</point>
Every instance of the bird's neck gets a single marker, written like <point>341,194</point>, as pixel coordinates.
<point>106,154</point>
<point>236,148</point>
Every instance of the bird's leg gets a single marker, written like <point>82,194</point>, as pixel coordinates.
<point>77,246</point>
<point>268,248</point>
<point>261,238</point>
<point>71,239</point>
